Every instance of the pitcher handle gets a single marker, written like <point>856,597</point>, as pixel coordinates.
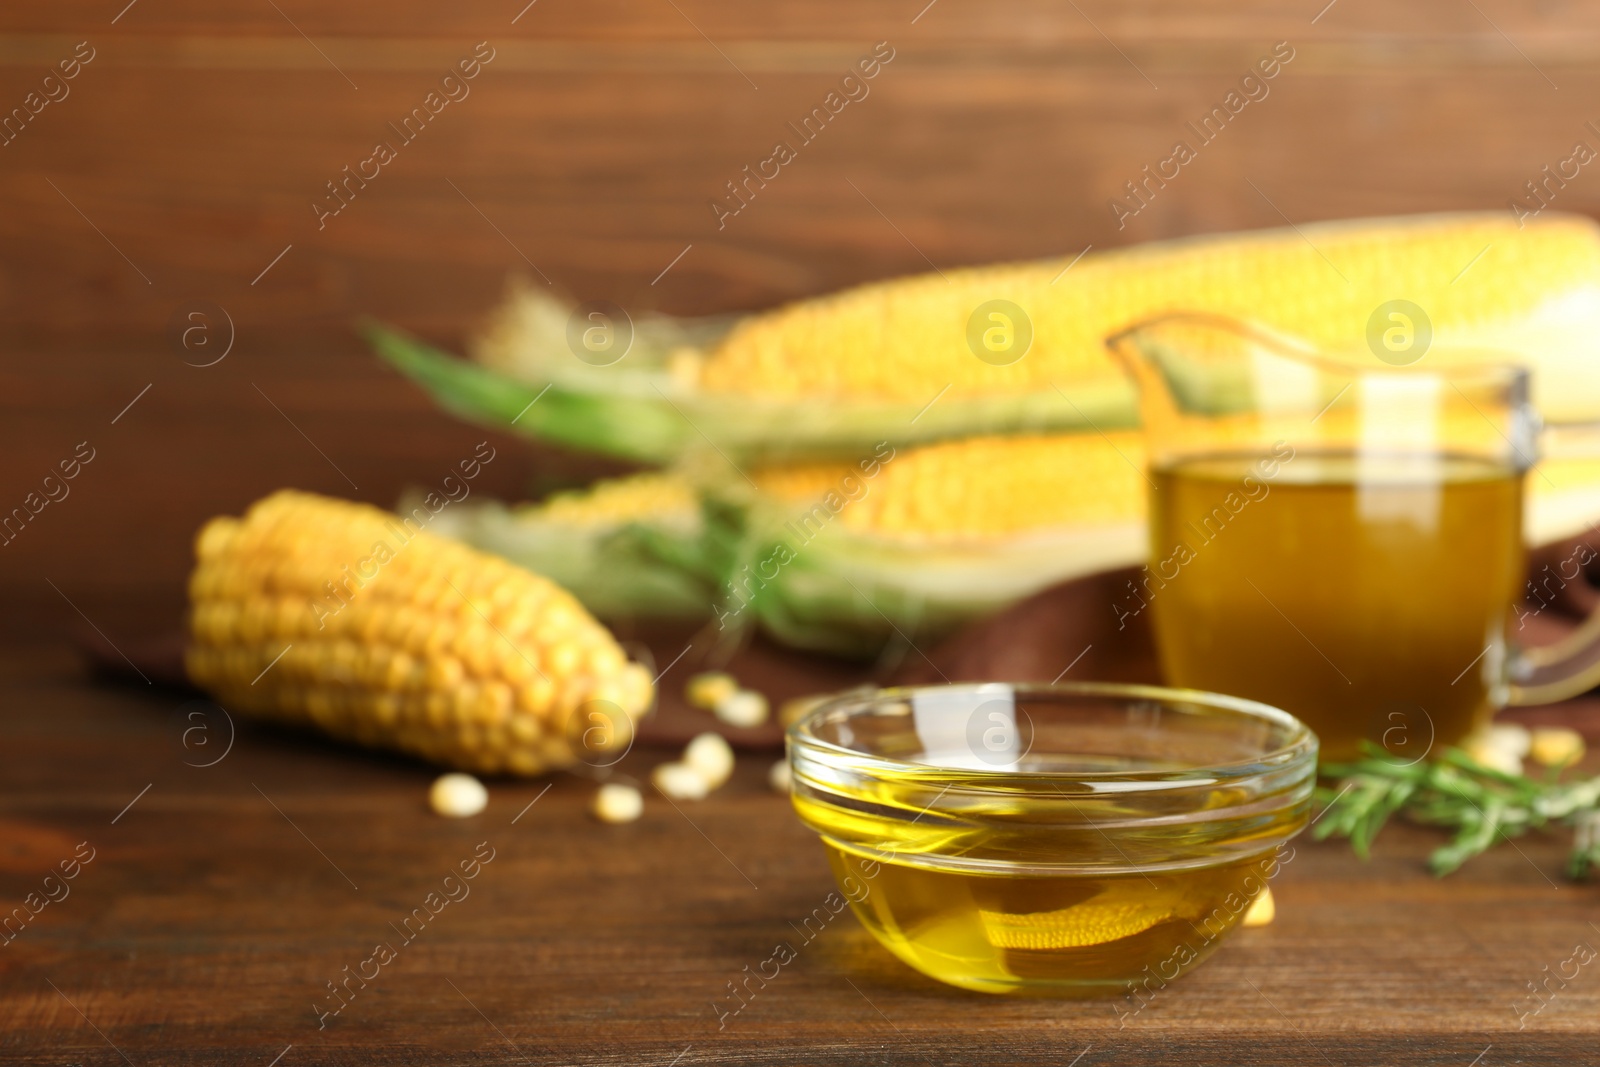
<point>1565,668</point>
<point>1557,671</point>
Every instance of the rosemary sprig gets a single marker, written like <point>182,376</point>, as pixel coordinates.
<point>1480,804</point>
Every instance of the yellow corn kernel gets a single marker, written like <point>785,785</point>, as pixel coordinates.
<point>521,761</point>
<point>780,777</point>
<point>745,708</point>
<point>493,704</point>
<point>536,694</point>
<point>441,638</point>
<point>680,781</point>
<point>216,537</point>
<point>604,661</point>
<point>617,803</point>
<point>1262,909</point>
<point>652,495</point>
<point>712,757</point>
<point>1555,746</point>
<point>524,728</point>
<point>463,700</point>
<point>563,659</point>
<point>398,675</point>
<point>484,653</point>
<point>457,796</point>
<point>445,672</point>
<point>709,688</point>
<point>385,710</point>
<point>518,667</point>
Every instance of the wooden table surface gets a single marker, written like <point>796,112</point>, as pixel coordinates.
<point>221,900</point>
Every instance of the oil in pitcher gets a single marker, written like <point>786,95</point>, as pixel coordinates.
<point>1338,537</point>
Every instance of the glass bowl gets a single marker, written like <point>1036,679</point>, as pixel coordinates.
<point>1065,840</point>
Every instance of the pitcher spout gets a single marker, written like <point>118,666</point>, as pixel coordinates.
<point>1203,365</point>
<point>1209,381</point>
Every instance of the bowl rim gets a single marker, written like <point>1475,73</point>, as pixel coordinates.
<point>1302,743</point>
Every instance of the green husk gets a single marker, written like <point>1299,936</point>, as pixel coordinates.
<point>748,561</point>
<point>625,426</point>
<point>639,569</point>
<point>812,583</point>
<point>639,412</point>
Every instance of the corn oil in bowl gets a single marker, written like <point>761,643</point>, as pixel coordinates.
<point>1055,840</point>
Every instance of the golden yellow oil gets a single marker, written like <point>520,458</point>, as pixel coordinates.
<point>1043,935</point>
<point>1025,890</point>
<point>1367,595</point>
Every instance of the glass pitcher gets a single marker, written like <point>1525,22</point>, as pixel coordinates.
<point>1339,537</point>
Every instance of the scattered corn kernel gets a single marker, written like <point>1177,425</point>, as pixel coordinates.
<point>743,708</point>
<point>680,781</point>
<point>457,796</point>
<point>1482,750</point>
<point>709,688</point>
<point>780,777</point>
<point>617,803</point>
<point>792,711</point>
<point>1555,746</point>
<point>712,757</point>
<point>1511,736</point>
<point>1262,909</point>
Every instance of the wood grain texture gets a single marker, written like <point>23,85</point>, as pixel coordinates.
<point>220,904</point>
<point>199,137</point>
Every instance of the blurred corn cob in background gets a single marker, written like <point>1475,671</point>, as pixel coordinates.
<point>1006,476</point>
<point>1485,284</point>
<point>841,559</point>
<point>823,557</point>
<point>322,613</point>
<point>892,360</point>
<point>838,556</point>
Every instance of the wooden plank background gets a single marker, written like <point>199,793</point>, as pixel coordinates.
<point>186,158</point>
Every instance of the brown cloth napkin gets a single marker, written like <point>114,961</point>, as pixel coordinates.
<point>1067,631</point>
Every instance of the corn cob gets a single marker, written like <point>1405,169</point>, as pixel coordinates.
<point>340,616</point>
<point>1563,491</point>
<point>938,535</point>
<point>979,489</point>
<point>655,496</point>
<point>934,536</point>
<point>893,361</point>
<point>989,489</point>
<point>905,339</point>
<point>847,558</point>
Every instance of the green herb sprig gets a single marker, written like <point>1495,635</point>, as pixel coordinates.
<point>1479,804</point>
